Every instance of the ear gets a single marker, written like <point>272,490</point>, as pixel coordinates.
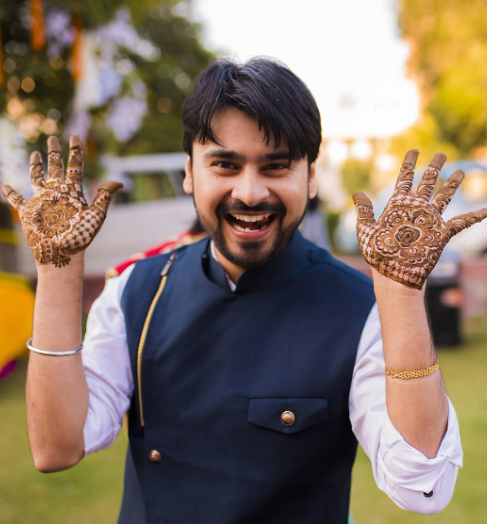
<point>188,178</point>
<point>312,188</point>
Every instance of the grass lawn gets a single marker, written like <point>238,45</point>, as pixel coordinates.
<point>90,493</point>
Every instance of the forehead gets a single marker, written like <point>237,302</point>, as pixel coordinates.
<point>238,131</point>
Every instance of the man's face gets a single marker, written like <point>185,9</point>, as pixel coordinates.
<point>249,197</point>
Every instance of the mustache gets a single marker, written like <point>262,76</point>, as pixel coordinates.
<point>263,207</point>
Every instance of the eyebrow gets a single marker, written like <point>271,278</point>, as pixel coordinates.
<point>233,155</point>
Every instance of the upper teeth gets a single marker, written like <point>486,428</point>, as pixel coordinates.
<point>251,218</point>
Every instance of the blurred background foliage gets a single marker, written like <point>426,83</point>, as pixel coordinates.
<point>448,53</point>
<point>116,72</point>
<point>356,175</point>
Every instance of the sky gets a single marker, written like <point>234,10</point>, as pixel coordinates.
<point>348,52</point>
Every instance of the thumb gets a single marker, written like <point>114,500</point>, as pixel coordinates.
<point>364,207</point>
<point>14,199</point>
<point>105,194</point>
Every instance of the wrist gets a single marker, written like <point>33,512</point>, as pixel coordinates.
<point>385,286</point>
<point>71,276</point>
<point>76,266</point>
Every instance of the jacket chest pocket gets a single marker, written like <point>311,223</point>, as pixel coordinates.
<point>287,415</point>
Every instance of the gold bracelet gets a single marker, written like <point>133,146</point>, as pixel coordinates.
<point>407,375</point>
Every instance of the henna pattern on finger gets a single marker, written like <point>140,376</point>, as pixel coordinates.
<point>405,179</point>
<point>55,165</point>
<point>444,196</point>
<point>13,198</point>
<point>74,170</point>
<point>428,183</point>
<point>37,174</point>
<point>461,222</point>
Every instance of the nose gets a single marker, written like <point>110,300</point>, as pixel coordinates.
<point>250,187</point>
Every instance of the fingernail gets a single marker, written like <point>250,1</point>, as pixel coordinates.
<point>35,157</point>
<point>411,157</point>
<point>74,141</point>
<point>438,160</point>
<point>458,176</point>
<point>53,144</point>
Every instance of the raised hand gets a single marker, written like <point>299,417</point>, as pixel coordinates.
<point>57,220</point>
<point>407,240</point>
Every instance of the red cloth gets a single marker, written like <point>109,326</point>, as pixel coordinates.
<point>173,243</point>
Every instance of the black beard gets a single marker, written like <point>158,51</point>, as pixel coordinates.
<point>253,255</point>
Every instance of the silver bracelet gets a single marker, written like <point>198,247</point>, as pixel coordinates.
<point>53,353</point>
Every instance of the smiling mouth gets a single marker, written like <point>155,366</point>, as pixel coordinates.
<point>250,223</point>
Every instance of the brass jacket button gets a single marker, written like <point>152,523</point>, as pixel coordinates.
<point>288,418</point>
<point>154,455</point>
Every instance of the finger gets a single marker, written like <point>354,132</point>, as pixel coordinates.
<point>55,166</point>
<point>445,194</point>
<point>14,199</point>
<point>364,207</point>
<point>74,169</point>
<point>406,174</point>
<point>37,177</point>
<point>428,182</point>
<point>105,194</point>
<point>461,222</point>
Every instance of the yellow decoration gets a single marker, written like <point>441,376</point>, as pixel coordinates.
<point>37,36</point>
<point>16,312</point>
<point>7,236</point>
<point>77,50</point>
<point>2,79</point>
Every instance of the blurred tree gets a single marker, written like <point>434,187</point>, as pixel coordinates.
<point>91,68</point>
<point>169,79</point>
<point>356,175</point>
<point>448,42</point>
<point>426,137</point>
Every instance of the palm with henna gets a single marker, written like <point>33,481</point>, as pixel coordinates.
<point>410,235</point>
<point>57,221</point>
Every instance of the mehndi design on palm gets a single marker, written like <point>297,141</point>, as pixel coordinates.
<point>410,235</point>
<point>57,221</point>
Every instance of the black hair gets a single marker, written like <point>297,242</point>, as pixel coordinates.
<point>264,88</point>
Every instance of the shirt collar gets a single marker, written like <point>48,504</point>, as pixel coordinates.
<point>231,284</point>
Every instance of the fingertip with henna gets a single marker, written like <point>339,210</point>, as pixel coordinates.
<point>74,141</point>
<point>6,190</point>
<point>482,213</point>
<point>359,196</point>
<point>457,176</point>
<point>53,144</point>
<point>411,157</point>
<point>112,186</point>
<point>35,158</point>
<point>13,198</point>
<point>438,160</point>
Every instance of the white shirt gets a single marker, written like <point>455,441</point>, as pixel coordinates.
<point>400,470</point>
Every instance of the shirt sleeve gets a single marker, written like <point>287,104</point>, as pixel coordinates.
<point>413,481</point>
<point>107,367</point>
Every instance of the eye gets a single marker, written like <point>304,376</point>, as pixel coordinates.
<point>276,167</point>
<point>223,164</point>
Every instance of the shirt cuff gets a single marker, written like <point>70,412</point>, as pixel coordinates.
<point>408,468</point>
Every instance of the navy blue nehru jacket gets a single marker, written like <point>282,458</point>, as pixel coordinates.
<point>240,408</point>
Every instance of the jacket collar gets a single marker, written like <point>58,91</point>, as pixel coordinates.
<point>286,263</point>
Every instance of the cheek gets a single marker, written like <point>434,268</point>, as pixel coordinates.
<point>294,197</point>
<point>208,193</point>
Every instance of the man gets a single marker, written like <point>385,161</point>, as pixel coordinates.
<point>249,362</point>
